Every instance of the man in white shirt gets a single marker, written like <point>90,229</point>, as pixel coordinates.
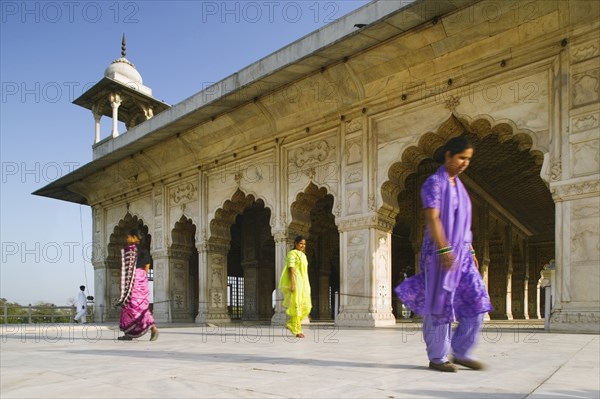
<point>81,304</point>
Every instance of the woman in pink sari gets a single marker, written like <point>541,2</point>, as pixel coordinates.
<point>448,286</point>
<point>136,318</point>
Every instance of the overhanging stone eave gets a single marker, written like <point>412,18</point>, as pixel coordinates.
<point>90,97</point>
<point>297,53</point>
<point>193,110</point>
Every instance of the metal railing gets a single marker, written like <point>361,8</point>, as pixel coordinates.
<point>17,314</point>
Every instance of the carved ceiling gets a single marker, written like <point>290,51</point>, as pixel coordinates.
<point>512,177</point>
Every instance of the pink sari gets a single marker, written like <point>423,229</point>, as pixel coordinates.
<point>136,318</point>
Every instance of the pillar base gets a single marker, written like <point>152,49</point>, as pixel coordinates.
<point>279,319</point>
<point>182,318</point>
<point>213,318</point>
<point>575,320</point>
<point>364,319</point>
<point>161,313</point>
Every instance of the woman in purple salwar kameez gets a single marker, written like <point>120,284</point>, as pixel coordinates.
<point>449,286</point>
<point>136,318</point>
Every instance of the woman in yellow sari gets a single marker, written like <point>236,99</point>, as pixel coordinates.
<point>296,287</point>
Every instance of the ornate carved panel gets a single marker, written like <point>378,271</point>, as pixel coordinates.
<point>571,191</point>
<point>383,273</point>
<point>354,202</point>
<point>584,122</point>
<point>585,88</point>
<point>216,298</point>
<point>584,157</point>
<point>585,230</point>
<point>158,218</point>
<point>353,126</point>
<point>584,51</point>
<point>183,193</point>
<point>355,280</point>
<point>354,174</point>
<point>354,151</point>
<point>314,152</point>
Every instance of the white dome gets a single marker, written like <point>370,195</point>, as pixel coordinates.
<point>123,71</point>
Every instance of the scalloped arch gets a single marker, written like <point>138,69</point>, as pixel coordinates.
<point>427,145</point>
<point>305,201</point>
<point>183,234</point>
<point>118,237</point>
<point>225,216</point>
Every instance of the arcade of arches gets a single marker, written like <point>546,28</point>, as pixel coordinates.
<point>513,235</point>
<point>223,186</point>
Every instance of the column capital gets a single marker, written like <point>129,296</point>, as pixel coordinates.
<point>280,236</point>
<point>217,245</point>
<point>371,220</point>
<point>575,189</point>
<point>97,111</point>
<point>115,99</point>
<point>161,254</point>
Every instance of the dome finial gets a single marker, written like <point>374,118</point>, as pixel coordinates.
<point>123,45</point>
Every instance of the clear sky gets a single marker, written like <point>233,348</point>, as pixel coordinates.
<point>51,51</point>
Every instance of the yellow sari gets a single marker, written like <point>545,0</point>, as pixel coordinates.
<point>298,303</point>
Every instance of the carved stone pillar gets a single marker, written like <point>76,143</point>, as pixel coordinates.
<point>365,262</point>
<point>97,112</point>
<point>526,280</point>
<point>162,295</point>
<point>575,186</point>
<point>217,278</point>
<point>251,290</point>
<point>282,247</point>
<point>101,299</point>
<point>250,250</point>
<point>483,257</point>
<point>179,270</point>
<point>324,303</point>
<point>203,285</point>
<point>577,257</point>
<point>509,256</point>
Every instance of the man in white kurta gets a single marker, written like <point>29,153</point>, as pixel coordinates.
<point>81,304</point>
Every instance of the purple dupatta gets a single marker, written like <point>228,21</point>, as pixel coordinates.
<point>457,225</point>
<point>437,283</point>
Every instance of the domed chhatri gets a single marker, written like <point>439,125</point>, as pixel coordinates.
<point>122,70</point>
<point>120,95</point>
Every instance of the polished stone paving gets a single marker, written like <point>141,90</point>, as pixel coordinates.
<point>261,361</point>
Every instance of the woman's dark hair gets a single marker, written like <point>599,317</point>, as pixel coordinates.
<point>137,233</point>
<point>455,145</point>
<point>298,239</point>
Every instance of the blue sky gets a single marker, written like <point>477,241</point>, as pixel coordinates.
<point>50,51</point>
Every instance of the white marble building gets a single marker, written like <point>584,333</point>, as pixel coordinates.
<point>332,136</point>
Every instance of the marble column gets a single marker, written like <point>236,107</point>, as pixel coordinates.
<point>162,309</point>
<point>282,246</point>
<point>365,281</point>
<point>97,116</point>
<point>115,102</point>
<point>216,259</point>
<point>203,285</point>
<point>179,286</point>
<point>508,282</point>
